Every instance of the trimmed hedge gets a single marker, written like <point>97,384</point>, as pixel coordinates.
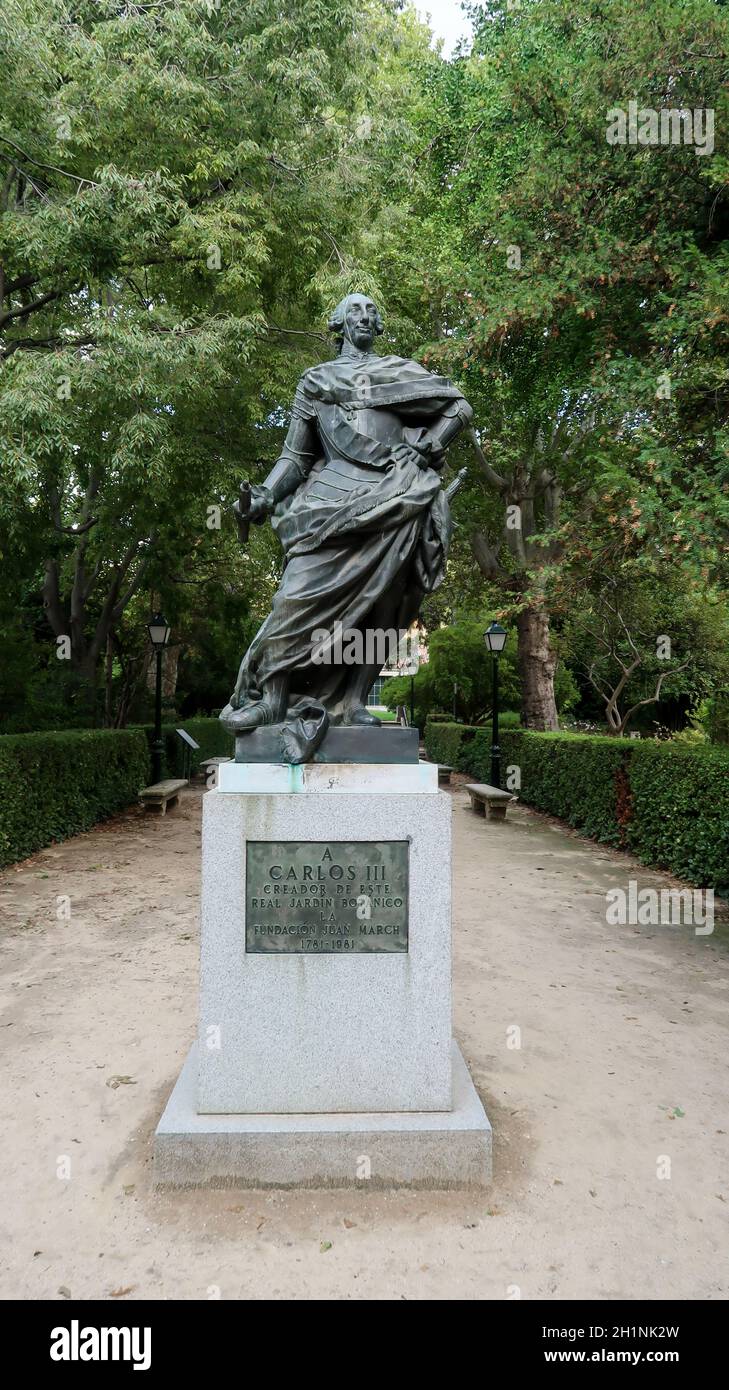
<point>56,784</point>
<point>667,802</point>
<point>680,810</point>
<point>447,742</point>
<point>53,785</point>
<point>578,777</point>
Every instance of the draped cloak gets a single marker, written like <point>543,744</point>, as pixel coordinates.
<point>365,535</point>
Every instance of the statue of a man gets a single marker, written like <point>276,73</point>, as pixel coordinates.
<point>357,503</point>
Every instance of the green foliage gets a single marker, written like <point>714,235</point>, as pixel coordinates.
<point>457,657</point>
<point>177,182</point>
<point>52,696</point>
<point>718,717</point>
<point>621,273</point>
<point>396,691</point>
<point>574,776</point>
<point>458,676</point>
<point>648,632</point>
<point>54,785</point>
<point>579,292</point>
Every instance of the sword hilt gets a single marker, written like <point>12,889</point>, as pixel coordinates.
<point>457,483</point>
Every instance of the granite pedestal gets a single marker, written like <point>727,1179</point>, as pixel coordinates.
<point>325,1054</point>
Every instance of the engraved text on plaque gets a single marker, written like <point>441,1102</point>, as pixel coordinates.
<point>322,896</point>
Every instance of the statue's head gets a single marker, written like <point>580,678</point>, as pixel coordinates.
<point>356,319</point>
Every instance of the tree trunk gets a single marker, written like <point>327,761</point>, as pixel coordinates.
<point>108,684</point>
<point>170,661</point>
<point>536,667</point>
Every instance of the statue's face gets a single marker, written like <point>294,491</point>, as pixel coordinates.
<point>359,321</point>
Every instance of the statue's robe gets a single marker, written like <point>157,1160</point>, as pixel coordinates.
<point>364,534</point>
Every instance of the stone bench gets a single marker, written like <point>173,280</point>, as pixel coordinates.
<point>162,794</point>
<point>483,796</point>
<point>210,766</point>
<point>208,763</point>
<point>444,774</point>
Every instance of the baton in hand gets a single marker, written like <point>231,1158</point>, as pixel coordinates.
<point>242,512</point>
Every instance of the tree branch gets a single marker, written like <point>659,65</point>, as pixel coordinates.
<point>486,557</point>
<point>52,600</point>
<point>52,168</point>
<point>298,332</point>
<point>652,699</point>
<point>132,588</point>
<point>29,308</point>
<point>14,344</point>
<point>494,478</point>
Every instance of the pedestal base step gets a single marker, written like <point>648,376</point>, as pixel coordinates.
<point>437,1150</point>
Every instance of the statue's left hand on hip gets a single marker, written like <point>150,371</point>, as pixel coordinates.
<point>407,453</point>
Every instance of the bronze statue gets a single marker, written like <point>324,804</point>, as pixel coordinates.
<point>357,503</point>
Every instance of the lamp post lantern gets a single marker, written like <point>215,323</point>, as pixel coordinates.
<point>159,635</point>
<point>495,638</point>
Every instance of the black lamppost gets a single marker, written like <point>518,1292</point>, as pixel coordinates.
<point>159,636</point>
<point>409,668</point>
<point>495,637</point>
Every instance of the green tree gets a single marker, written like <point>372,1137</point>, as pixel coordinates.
<point>578,289</point>
<point>457,677</point>
<point>645,635</point>
<point>176,183</point>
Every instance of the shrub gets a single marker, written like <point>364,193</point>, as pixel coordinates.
<point>53,785</point>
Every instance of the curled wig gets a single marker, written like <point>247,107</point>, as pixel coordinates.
<point>336,322</point>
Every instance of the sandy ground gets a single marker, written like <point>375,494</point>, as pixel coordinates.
<point>623,1060</point>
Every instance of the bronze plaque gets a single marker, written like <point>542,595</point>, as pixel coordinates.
<point>333,897</point>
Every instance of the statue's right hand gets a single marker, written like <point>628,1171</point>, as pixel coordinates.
<point>255,502</point>
<point>261,503</point>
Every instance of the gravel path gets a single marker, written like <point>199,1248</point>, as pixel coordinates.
<point>622,1065</point>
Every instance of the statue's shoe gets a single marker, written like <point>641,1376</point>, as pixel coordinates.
<point>252,716</point>
<point>360,715</point>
